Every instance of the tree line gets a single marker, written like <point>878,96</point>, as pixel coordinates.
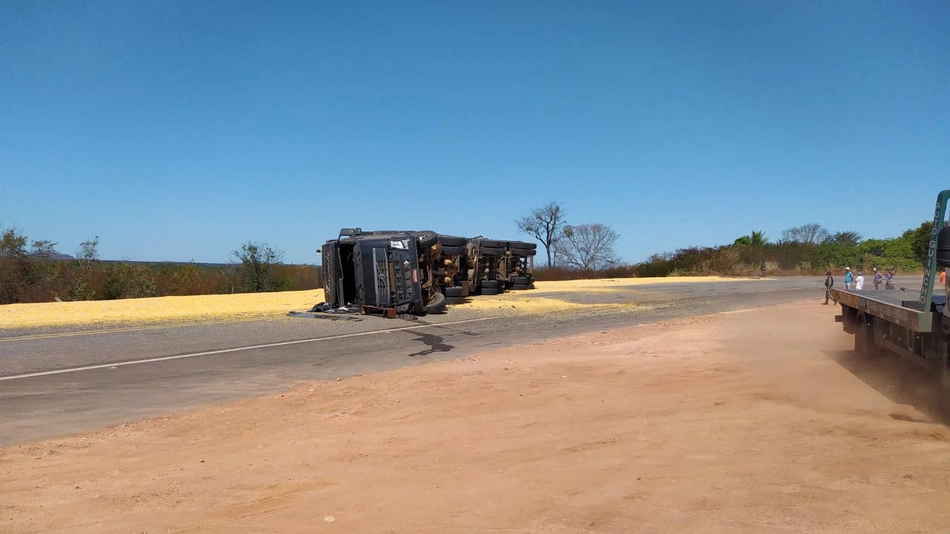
<point>33,271</point>
<point>587,250</point>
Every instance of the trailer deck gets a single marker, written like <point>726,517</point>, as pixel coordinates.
<point>898,307</point>
<point>891,297</point>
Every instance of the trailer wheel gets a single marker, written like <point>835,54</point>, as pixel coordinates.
<point>494,251</point>
<point>437,304</point>
<point>452,250</point>
<point>520,287</point>
<point>515,251</point>
<point>491,243</point>
<point>453,292</point>
<point>452,241</point>
<point>426,238</point>
<point>489,284</point>
<point>489,290</point>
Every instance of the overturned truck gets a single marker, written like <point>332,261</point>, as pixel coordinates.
<point>393,272</point>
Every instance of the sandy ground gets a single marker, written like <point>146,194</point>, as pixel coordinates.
<point>207,308</point>
<point>758,421</point>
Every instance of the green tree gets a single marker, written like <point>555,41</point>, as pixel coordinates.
<point>256,260</point>
<point>919,240</point>
<point>15,267</point>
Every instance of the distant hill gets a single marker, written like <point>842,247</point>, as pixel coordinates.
<point>53,256</point>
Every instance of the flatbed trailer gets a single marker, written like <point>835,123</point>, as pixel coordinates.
<point>917,329</point>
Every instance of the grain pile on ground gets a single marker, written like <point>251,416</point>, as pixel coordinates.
<point>157,309</point>
<point>735,423</point>
<point>203,308</point>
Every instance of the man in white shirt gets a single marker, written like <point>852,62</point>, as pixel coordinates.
<point>859,281</point>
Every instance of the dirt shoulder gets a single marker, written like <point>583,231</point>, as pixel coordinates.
<point>759,421</point>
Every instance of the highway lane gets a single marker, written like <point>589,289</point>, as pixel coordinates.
<point>59,382</point>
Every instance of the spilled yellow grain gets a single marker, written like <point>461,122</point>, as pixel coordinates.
<point>202,308</point>
<point>195,308</point>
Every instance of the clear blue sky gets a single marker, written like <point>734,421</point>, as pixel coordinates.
<point>178,130</point>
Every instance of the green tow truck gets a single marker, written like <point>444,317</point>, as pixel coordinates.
<point>916,329</point>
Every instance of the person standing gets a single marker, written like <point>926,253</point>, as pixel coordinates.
<point>848,277</point>
<point>878,278</point>
<point>859,281</point>
<point>829,283</point>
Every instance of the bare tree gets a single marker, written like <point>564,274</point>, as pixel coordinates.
<point>849,238</point>
<point>544,224</point>
<point>88,251</point>
<point>811,233</point>
<point>588,246</point>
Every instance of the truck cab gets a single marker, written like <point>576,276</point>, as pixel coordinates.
<point>386,272</point>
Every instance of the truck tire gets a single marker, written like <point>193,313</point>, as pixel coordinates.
<point>453,292</point>
<point>452,250</point>
<point>520,280</point>
<point>489,291</point>
<point>452,241</point>
<point>517,251</point>
<point>490,284</point>
<point>490,243</point>
<point>520,287</point>
<point>492,251</point>
<point>437,304</point>
<point>426,238</point>
<point>863,342</point>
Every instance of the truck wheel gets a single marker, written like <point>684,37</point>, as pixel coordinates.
<point>495,251</point>
<point>523,252</point>
<point>489,290</point>
<point>426,238</point>
<point>453,292</point>
<point>437,304</point>
<point>452,241</point>
<point>519,280</point>
<point>490,243</point>
<point>489,284</point>
<point>452,250</point>
<point>863,343</point>
<point>520,287</point>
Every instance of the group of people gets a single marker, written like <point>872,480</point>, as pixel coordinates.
<point>857,282</point>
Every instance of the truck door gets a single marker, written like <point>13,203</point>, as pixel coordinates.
<point>380,273</point>
<point>332,275</point>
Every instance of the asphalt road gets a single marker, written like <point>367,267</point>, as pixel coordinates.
<point>57,382</point>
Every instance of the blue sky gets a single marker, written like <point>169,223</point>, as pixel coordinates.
<point>178,130</point>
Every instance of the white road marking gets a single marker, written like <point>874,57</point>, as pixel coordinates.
<point>239,349</point>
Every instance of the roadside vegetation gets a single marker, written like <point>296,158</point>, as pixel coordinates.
<point>809,249</point>
<point>33,270</point>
